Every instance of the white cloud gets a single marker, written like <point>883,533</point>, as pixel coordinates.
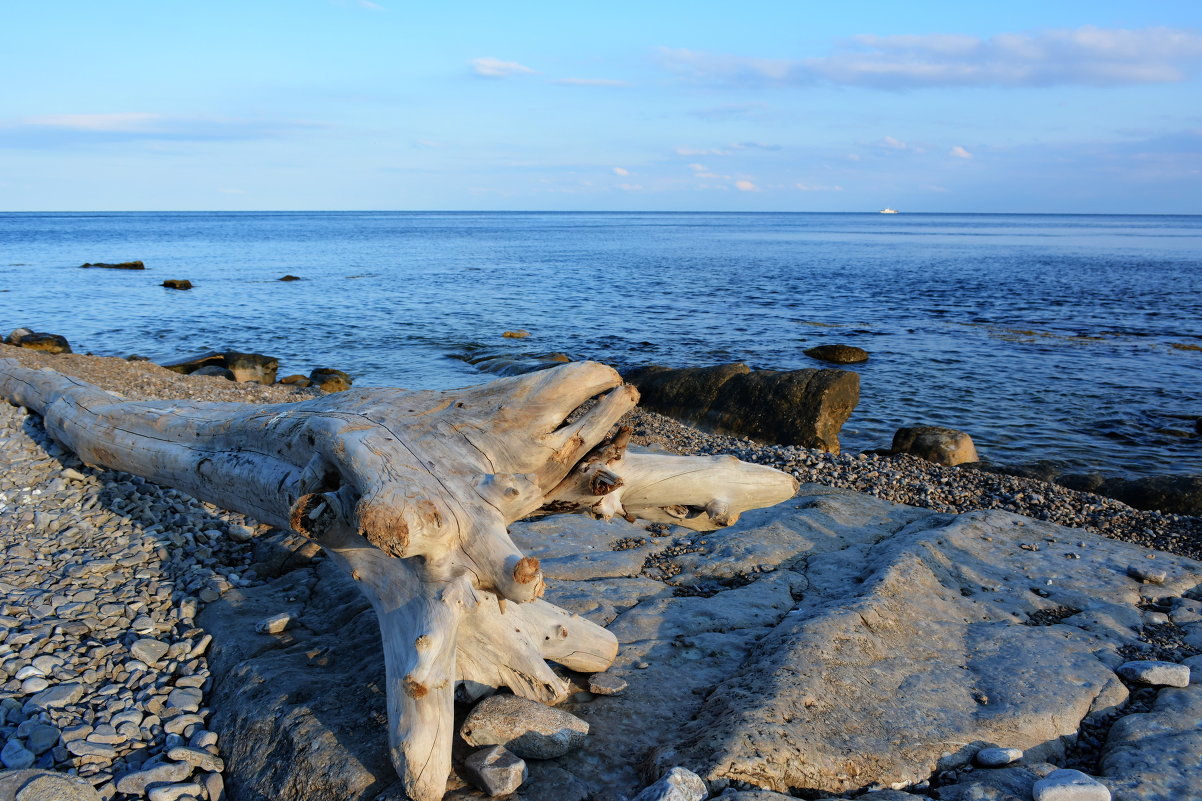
<point>621,171</point>
<point>427,143</point>
<point>746,186</point>
<point>694,151</point>
<point>591,82</point>
<point>960,153</point>
<point>116,123</point>
<point>894,144</point>
<point>632,187</point>
<point>697,167</point>
<point>818,188</point>
<point>1088,56</point>
<point>496,68</point>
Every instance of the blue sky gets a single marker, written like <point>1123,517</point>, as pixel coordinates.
<point>753,106</point>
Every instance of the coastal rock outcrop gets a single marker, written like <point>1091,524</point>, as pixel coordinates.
<point>838,354</point>
<point>243,366</point>
<point>945,446</point>
<point>796,407</point>
<point>832,643</point>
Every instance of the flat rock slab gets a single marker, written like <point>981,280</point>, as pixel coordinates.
<point>826,644</point>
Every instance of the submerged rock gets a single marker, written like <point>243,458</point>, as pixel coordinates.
<point>945,446</point>
<point>177,283</point>
<point>797,407</point>
<point>121,265</point>
<point>838,354</point>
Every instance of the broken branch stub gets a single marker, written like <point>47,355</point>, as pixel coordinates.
<point>412,493</point>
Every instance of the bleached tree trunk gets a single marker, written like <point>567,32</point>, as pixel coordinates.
<point>412,493</point>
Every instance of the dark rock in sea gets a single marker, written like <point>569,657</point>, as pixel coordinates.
<point>177,283</point>
<point>507,364</point>
<point>296,380</point>
<point>17,333</point>
<point>1179,494</point>
<point>134,357</point>
<point>1081,482</point>
<point>936,444</point>
<point>519,334</point>
<point>215,370</point>
<point>291,278</point>
<point>243,366</point>
<point>32,340</point>
<point>797,407</point>
<point>327,379</point>
<point>838,354</point>
<point>121,265</point>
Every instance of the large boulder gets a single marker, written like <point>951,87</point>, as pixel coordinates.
<point>33,340</point>
<point>795,407</point>
<point>243,366</point>
<point>936,444</point>
<point>833,643</point>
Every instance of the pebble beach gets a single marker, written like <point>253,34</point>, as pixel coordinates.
<point>103,673</point>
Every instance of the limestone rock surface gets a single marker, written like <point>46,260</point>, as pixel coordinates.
<point>833,642</point>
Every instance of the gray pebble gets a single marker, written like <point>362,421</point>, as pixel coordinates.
<point>166,773</point>
<point>1069,785</point>
<point>606,684</point>
<point>495,770</point>
<point>1155,674</point>
<point>149,651</point>
<point>197,758</point>
<point>16,756</point>
<point>1147,573</point>
<point>174,792</point>
<point>527,728</point>
<point>187,699</point>
<point>997,757</point>
<point>678,784</point>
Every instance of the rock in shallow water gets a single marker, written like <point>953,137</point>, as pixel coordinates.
<point>527,728</point>
<point>945,446</point>
<point>838,354</point>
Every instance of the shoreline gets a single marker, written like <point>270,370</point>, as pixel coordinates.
<point>897,478</point>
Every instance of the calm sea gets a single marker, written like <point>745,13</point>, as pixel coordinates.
<point>1046,337</point>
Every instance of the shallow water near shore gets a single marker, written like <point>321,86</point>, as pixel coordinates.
<point>1074,338</point>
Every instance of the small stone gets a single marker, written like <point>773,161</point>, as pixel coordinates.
<point>1155,674</point>
<point>83,748</point>
<point>16,756</point>
<point>34,684</point>
<point>677,784</point>
<point>186,699</point>
<point>42,738</point>
<point>180,724</point>
<point>56,697</point>
<point>527,728</point>
<point>56,787</point>
<point>166,773</point>
<point>1069,785</point>
<point>275,624</point>
<point>1148,574</point>
<point>606,684</point>
<point>149,651</point>
<point>997,757</point>
<point>214,786</point>
<point>173,792</point>
<point>495,770</point>
<point>197,758</point>
<point>208,595</point>
<point>72,474</point>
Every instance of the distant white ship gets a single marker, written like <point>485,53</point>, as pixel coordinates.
<point>889,211</point>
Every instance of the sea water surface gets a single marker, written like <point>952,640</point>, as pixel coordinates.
<point>1073,338</point>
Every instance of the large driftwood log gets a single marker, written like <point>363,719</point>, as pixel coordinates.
<point>412,493</point>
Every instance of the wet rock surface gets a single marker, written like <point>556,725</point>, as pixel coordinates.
<point>797,407</point>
